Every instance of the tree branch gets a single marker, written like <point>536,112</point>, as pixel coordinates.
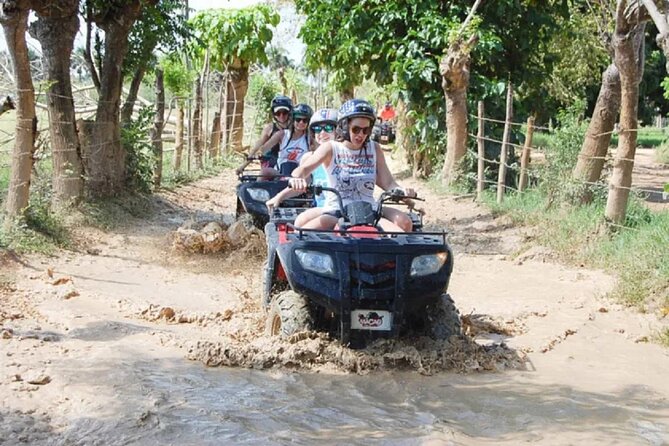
<point>87,55</point>
<point>658,17</point>
<point>469,18</point>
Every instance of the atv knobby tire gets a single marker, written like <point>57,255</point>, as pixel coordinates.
<point>289,314</point>
<point>442,319</point>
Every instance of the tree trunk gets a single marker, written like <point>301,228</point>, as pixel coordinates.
<point>56,30</point>
<point>157,129</point>
<point>346,93</point>
<point>197,125</point>
<point>104,158</point>
<point>598,137</point>
<point>129,104</point>
<point>239,84</point>
<point>214,147</point>
<point>179,137</point>
<point>14,19</point>
<point>628,56</point>
<point>454,69</point>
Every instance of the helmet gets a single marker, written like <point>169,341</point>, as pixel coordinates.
<point>324,116</point>
<point>281,102</point>
<point>356,108</point>
<point>303,110</point>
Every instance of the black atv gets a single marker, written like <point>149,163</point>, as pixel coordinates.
<point>383,132</point>
<point>356,281</point>
<point>254,190</point>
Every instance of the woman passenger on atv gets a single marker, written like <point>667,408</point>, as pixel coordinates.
<point>321,129</point>
<point>354,165</point>
<point>282,112</point>
<point>293,143</point>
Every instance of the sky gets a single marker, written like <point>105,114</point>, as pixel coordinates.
<point>286,32</point>
<point>205,4</point>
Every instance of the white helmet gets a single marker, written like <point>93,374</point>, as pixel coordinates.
<point>324,116</point>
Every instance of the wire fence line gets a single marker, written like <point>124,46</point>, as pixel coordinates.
<point>527,171</point>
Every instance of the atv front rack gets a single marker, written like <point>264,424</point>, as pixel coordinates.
<point>411,237</point>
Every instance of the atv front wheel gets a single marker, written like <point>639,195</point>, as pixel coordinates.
<point>288,314</point>
<point>442,319</point>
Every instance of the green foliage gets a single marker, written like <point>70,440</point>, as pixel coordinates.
<point>562,151</point>
<point>580,57</point>
<point>646,137</point>
<point>161,26</point>
<point>661,154</point>
<point>233,36</point>
<point>177,77</point>
<point>39,229</point>
<point>140,160</point>
<point>403,43</point>
<point>262,88</point>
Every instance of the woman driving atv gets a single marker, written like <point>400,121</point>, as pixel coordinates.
<point>354,165</point>
<point>321,129</point>
<point>282,112</point>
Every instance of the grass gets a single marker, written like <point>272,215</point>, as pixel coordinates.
<point>637,256</point>
<point>648,137</point>
<point>662,153</point>
<point>663,337</point>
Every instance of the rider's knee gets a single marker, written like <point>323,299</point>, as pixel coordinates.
<point>404,222</point>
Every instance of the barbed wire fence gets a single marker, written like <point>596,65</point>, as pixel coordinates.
<point>525,170</point>
<point>85,101</point>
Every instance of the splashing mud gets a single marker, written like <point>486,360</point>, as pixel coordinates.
<point>316,352</point>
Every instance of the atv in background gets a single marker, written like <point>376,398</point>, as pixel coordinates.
<point>383,132</point>
<point>356,281</point>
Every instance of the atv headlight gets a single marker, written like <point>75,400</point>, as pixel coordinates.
<point>316,262</point>
<point>258,194</point>
<point>428,264</point>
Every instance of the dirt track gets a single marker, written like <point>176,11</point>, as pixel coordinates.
<point>127,295</point>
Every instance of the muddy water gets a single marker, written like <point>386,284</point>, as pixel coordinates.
<point>177,402</point>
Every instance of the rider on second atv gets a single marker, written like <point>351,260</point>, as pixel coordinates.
<point>321,129</point>
<point>282,113</point>
<point>354,165</point>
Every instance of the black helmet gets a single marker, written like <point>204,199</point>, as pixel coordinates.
<point>354,108</point>
<point>303,110</point>
<point>281,102</point>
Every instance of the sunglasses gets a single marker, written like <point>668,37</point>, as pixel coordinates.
<point>329,128</point>
<point>305,120</point>
<point>281,113</point>
<point>365,130</point>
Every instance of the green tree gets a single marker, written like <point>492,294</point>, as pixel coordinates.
<point>160,27</point>
<point>404,42</point>
<point>234,39</point>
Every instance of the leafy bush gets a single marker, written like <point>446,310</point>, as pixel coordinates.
<point>39,229</point>
<point>262,88</point>
<point>562,149</point>
<point>140,160</point>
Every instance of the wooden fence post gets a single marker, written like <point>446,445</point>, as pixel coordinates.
<point>525,158</point>
<point>505,143</point>
<point>481,158</point>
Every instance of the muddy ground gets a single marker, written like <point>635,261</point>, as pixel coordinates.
<point>126,295</point>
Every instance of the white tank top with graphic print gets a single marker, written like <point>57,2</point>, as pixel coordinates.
<point>352,173</point>
<point>292,150</point>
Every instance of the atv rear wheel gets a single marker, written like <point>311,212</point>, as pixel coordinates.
<point>442,319</point>
<point>289,313</point>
